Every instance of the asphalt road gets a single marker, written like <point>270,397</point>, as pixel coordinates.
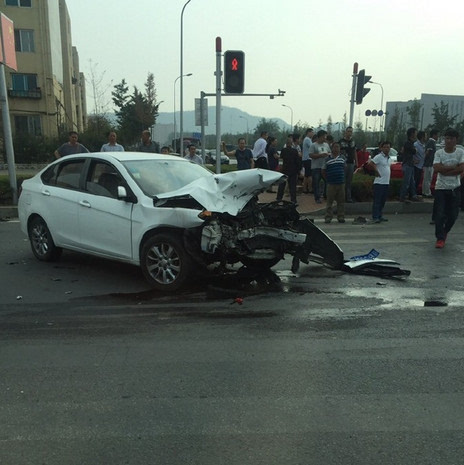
<point>318,367</point>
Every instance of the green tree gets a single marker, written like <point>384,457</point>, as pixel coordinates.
<point>414,112</point>
<point>95,135</point>
<point>329,124</point>
<point>135,112</point>
<point>269,125</point>
<point>441,117</point>
<point>396,130</point>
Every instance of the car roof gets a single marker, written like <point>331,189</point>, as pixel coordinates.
<point>128,156</point>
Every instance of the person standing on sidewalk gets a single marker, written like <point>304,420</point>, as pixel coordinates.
<point>348,150</point>
<point>259,151</point>
<point>333,172</point>
<point>307,142</point>
<point>449,166</point>
<point>430,149</point>
<point>408,186</point>
<point>70,148</point>
<point>381,164</point>
<point>291,166</point>
<point>318,151</point>
<point>419,159</point>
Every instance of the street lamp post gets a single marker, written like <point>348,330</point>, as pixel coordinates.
<point>181,74</point>
<point>381,103</point>
<point>291,113</point>
<point>175,131</point>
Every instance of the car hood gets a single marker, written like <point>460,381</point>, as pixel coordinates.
<point>225,193</point>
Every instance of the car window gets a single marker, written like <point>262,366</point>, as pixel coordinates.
<point>159,176</point>
<point>103,179</point>
<point>66,174</point>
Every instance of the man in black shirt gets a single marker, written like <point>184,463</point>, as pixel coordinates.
<point>408,186</point>
<point>348,151</point>
<point>291,166</point>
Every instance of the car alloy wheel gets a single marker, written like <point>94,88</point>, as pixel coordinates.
<point>164,261</point>
<point>41,241</point>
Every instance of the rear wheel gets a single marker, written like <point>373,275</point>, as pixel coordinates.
<point>41,240</point>
<point>165,263</point>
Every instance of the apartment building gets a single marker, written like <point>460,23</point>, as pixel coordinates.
<point>46,95</point>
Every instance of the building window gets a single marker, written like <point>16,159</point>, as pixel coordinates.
<point>24,81</point>
<point>28,125</point>
<point>24,40</point>
<point>23,3</point>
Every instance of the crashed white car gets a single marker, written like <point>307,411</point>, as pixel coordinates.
<point>164,214</point>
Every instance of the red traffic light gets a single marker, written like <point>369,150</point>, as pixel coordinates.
<point>234,72</point>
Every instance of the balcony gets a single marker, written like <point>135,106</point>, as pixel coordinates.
<point>34,94</point>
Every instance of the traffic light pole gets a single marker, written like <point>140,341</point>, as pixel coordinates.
<point>353,92</point>
<point>218,102</point>
<point>218,95</point>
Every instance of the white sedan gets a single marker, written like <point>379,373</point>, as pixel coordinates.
<point>160,212</point>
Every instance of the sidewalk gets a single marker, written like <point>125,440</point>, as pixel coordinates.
<point>308,206</point>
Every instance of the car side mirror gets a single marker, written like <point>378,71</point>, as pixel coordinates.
<point>122,193</point>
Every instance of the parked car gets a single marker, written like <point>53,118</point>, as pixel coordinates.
<point>164,214</point>
<point>210,158</point>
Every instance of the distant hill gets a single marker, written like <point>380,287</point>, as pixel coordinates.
<point>233,121</point>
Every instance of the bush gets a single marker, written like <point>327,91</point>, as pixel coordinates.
<point>363,191</point>
<point>6,194</point>
<point>31,149</point>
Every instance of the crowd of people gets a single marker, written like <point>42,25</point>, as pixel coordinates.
<point>327,168</point>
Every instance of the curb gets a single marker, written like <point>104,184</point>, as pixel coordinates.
<point>365,208</point>
<point>7,212</point>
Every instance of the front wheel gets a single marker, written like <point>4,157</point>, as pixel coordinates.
<point>165,263</point>
<point>41,241</point>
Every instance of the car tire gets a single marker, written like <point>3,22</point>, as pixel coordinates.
<point>259,264</point>
<point>164,262</point>
<point>42,244</point>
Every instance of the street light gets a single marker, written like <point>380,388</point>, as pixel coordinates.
<point>175,132</point>
<point>291,115</point>
<point>181,74</point>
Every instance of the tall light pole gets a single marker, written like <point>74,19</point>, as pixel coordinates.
<point>181,74</point>
<point>175,131</point>
<point>381,103</point>
<point>291,114</point>
<point>246,119</point>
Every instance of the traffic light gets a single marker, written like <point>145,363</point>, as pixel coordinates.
<point>361,92</point>
<point>234,72</point>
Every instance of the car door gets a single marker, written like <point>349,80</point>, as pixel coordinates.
<point>104,220</point>
<point>58,199</point>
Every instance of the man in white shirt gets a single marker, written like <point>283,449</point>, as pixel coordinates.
<point>449,166</point>
<point>307,142</point>
<point>192,155</point>
<point>318,152</point>
<point>112,145</point>
<point>259,152</point>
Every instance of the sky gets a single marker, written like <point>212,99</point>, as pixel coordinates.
<point>304,47</point>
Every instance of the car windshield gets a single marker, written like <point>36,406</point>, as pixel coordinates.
<point>159,176</point>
